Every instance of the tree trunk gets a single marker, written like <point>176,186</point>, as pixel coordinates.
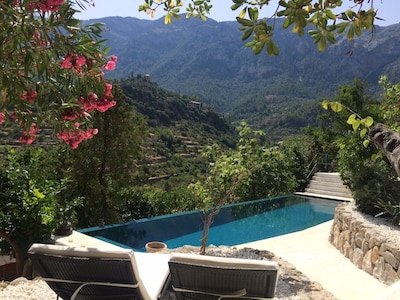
<point>207,224</point>
<point>388,142</point>
<point>20,256</point>
<point>27,271</point>
<point>102,174</point>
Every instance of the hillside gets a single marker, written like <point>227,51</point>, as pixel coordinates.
<point>180,128</point>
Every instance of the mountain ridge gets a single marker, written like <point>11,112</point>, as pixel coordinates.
<point>210,61</point>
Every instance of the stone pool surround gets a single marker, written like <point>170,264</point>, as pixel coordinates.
<point>368,245</point>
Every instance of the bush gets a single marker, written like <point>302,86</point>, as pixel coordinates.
<point>372,182</point>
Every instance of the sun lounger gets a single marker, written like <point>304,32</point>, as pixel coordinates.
<point>91,273</point>
<point>207,277</point>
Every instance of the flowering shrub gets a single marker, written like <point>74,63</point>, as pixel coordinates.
<point>52,69</point>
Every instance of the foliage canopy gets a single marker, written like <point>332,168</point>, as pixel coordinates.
<point>298,14</point>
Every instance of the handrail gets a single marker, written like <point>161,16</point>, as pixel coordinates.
<point>314,164</point>
<point>313,161</point>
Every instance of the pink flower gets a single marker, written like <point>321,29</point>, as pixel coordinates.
<point>71,114</point>
<point>29,96</point>
<point>30,137</point>
<point>90,104</point>
<point>74,137</point>
<point>66,63</point>
<point>105,105</point>
<point>27,139</point>
<point>93,102</point>
<point>2,118</point>
<point>107,92</point>
<point>73,61</point>
<point>39,40</point>
<point>50,5</point>
<point>80,61</point>
<point>110,65</point>
<point>45,5</point>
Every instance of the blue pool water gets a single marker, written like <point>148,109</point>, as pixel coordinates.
<point>235,224</point>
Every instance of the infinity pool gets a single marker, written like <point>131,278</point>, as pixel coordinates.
<point>235,224</point>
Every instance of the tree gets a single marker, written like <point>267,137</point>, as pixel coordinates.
<point>297,14</point>
<point>30,205</point>
<point>105,166</point>
<point>51,69</point>
<point>232,175</point>
<point>225,172</point>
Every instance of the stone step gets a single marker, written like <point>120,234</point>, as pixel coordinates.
<point>328,187</point>
<point>328,184</point>
<point>325,192</point>
<point>327,177</point>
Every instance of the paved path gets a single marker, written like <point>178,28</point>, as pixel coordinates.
<point>312,254</point>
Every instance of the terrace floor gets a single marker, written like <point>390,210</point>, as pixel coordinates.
<point>312,254</point>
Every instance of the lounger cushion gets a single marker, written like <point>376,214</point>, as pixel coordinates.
<point>114,266</point>
<point>207,277</point>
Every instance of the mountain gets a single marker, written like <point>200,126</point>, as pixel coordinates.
<point>209,60</point>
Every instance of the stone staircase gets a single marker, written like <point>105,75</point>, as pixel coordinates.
<point>329,186</point>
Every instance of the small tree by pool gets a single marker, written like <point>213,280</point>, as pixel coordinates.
<point>229,176</point>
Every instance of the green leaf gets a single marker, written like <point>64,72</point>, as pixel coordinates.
<point>322,44</point>
<point>168,19</point>
<point>336,107</point>
<point>287,23</point>
<point>365,143</point>
<point>341,27</point>
<point>325,104</point>
<point>351,119</point>
<point>283,3</point>
<point>331,37</point>
<point>247,33</point>
<point>257,48</point>
<point>236,6</point>
<point>363,132</point>
<point>272,49</point>
<point>369,121</point>
<point>245,22</point>
<point>253,13</point>
<point>350,33</point>
<point>356,124</point>
<point>330,14</point>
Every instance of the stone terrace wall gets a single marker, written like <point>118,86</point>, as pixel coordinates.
<point>372,247</point>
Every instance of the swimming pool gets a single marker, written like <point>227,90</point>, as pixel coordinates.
<point>235,224</point>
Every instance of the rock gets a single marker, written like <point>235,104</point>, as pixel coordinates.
<point>379,270</point>
<point>358,256</point>
<point>374,254</point>
<point>391,275</point>
<point>390,259</point>
<point>367,265</point>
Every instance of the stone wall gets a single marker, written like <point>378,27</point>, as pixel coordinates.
<point>370,246</point>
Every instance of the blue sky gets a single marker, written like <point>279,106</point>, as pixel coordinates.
<point>387,9</point>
